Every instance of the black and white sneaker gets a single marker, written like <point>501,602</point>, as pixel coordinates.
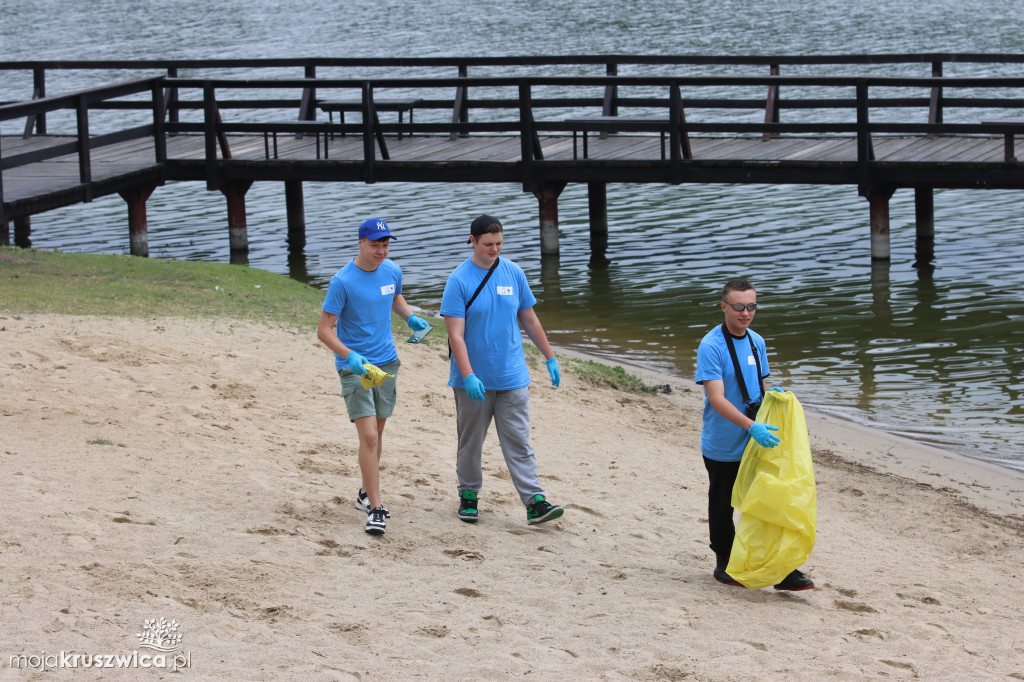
<point>376,521</point>
<point>363,503</point>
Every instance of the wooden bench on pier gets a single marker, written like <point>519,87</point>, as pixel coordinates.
<point>1008,151</point>
<point>606,125</point>
<point>343,105</point>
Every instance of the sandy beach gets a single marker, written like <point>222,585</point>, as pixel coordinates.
<point>205,473</point>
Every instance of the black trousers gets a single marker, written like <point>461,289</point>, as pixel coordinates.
<point>721,476</point>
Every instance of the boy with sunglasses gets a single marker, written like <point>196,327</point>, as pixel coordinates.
<point>728,355</point>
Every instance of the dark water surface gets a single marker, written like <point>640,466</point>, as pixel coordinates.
<point>929,350</point>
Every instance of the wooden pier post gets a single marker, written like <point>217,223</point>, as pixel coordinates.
<point>597,202</point>
<point>878,200</point>
<point>138,225</point>
<point>238,231</point>
<point>295,207</point>
<point>924,217</point>
<point>23,232</point>
<point>924,212</point>
<point>547,197</point>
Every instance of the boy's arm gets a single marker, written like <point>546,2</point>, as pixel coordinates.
<point>531,324</point>
<point>326,332</point>
<point>456,327</point>
<point>714,389</point>
<point>401,308</point>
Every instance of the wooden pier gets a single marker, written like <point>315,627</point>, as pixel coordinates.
<point>540,132</point>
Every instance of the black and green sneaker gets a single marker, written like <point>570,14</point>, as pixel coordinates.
<point>540,510</point>
<point>467,506</point>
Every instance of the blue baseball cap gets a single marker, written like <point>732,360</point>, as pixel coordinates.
<point>374,229</point>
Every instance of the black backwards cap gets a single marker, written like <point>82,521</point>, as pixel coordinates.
<point>480,226</point>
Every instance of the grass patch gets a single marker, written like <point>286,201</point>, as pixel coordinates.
<point>33,281</point>
<point>103,441</point>
<point>593,373</point>
<point>596,374</point>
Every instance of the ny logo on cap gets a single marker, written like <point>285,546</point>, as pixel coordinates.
<point>380,225</point>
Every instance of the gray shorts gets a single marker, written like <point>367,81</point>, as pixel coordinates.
<point>378,402</point>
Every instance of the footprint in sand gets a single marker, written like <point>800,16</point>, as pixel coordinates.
<point>870,633</point>
<point>464,554</point>
<point>78,541</point>
<point>853,606</point>
<point>437,631</point>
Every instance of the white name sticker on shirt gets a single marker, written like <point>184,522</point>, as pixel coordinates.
<point>504,291</point>
<point>750,360</point>
<point>387,289</point>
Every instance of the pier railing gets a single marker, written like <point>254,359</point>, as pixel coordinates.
<point>528,107</point>
<point>534,109</point>
<point>673,107</point>
<point>81,103</point>
<point>21,80</point>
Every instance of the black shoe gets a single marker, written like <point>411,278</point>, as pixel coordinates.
<point>794,582</point>
<point>540,510</point>
<point>376,521</point>
<point>467,506</point>
<point>724,578</point>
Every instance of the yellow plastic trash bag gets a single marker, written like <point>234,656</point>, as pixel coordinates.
<point>374,376</point>
<point>776,498</point>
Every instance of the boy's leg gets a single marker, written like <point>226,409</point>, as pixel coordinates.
<point>369,411</point>
<point>721,477</point>
<point>512,421</point>
<point>473,420</point>
<point>370,430</point>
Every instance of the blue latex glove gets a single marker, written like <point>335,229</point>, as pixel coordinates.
<point>416,323</point>
<point>474,387</point>
<point>355,362</point>
<point>762,434</point>
<point>556,376</point>
<point>777,388</point>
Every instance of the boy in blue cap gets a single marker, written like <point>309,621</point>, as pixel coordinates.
<point>355,323</point>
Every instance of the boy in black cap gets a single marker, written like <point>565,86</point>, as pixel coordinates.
<point>485,300</point>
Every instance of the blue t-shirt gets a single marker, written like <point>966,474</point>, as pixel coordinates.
<point>362,301</point>
<point>492,334</point>
<point>720,439</point>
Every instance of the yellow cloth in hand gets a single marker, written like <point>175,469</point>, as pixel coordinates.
<point>374,376</point>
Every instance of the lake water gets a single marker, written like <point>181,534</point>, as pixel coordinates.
<point>932,351</point>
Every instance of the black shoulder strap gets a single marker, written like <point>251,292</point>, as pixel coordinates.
<point>482,283</point>
<point>736,365</point>
<point>477,293</point>
<point>757,361</point>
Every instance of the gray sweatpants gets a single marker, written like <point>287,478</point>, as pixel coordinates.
<point>511,413</point>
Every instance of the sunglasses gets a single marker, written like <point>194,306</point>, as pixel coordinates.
<point>738,307</point>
